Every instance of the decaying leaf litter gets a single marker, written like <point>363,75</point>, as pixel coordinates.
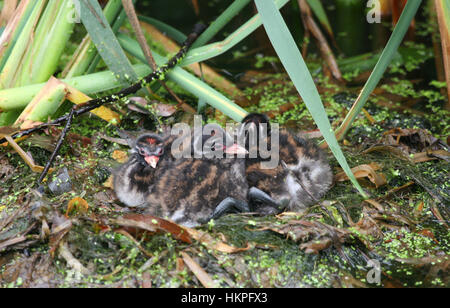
<point>83,237</point>
<point>77,234</point>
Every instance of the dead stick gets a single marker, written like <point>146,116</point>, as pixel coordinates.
<point>58,146</point>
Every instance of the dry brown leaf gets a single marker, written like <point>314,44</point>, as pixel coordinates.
<point>411,140</point>
<point>430,155</point>
<point>363,171</point>
<point>154,224</point>
<point>215,244</point>
<point>376,204</point>
<point>120,156</point>
<point>78,204</point>
<point>78,97</point>
<point>368,226</point>
<point>313,247</point>
<point>314,236</point>
<point>60,227</point>
<point>180,265</point>
<point>26,158</point>
<point>7,131</point>
<point>414,145</point>
<point>165,110</point>
<point>143,222</point>
<point>162,110</point>
<point>13,241</point>
<point>109,183</point>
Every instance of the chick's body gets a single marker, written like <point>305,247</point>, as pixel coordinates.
<point>191,189</point>
<point>302,175</point>
<point>134,180</point>
<point>185,190</point>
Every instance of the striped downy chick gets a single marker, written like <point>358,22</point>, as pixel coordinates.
<point>134,180</point>
<point>190,192</point>
<point>301,178</point>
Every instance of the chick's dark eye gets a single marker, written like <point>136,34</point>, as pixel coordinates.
<point>218,146</point>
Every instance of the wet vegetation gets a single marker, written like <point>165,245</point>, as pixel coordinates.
<point>76,233</point>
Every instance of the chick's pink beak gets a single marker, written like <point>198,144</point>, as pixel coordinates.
<point>235,149</point>
<point>152,160</point>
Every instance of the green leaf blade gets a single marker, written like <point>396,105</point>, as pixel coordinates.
<point>296,68</point>
<point>106,42</point>
<point>319,12</point>
<point>389,52</point>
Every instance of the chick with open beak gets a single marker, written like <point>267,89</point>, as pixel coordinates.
<point>134,179</point>
<point>190,191</point>
<point>149,148</point>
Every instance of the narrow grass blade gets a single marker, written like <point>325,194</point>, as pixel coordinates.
<point>291,58</point>
<point>204,53</point>
<point>188,82</point>
<point>106,42</point>
<point>128,6</point>
<point>386,57</point>
<point>220,22</point>
<point>206,72</point>
<point>115,28</point>
<point>86,52</point>
<point>319,12</point>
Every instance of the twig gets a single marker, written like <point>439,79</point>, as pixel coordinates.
<point>13,241</point>
<point>198,271</point>
<point>325,50</point>
<point>97,102</point>
<point>76,265</point>
<point>58,146</point>
<point>131,13</point>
